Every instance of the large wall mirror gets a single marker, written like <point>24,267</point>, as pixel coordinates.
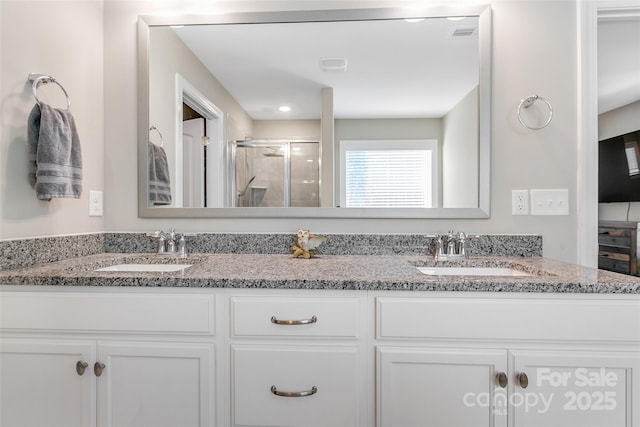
<point>372,113</point>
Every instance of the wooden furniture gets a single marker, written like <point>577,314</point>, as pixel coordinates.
<point>618,247</point>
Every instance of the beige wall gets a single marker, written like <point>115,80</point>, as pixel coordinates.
<point>169,57</point>
<point>380,129</point>
<point>524,62</point>
<point>63,39</point>
<point>619,121</point>
<point>460,129</point>
<point>287,129</point>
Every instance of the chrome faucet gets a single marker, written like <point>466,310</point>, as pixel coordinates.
<point>171,243</point>
<point>451,246</point>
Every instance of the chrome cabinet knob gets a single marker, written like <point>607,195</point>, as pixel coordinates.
<point>81,366</point>
<point>501,379</point>
<point>98,368</point>
<point>522,379</point>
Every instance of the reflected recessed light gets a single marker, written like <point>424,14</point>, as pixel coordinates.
<point>456,18</point>
<point>284,108</point>
<point>414,19</point>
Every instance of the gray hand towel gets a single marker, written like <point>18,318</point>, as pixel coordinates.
<point>54,153</point>
<point>159,181</point>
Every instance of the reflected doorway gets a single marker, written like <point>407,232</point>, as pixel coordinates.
<point>200,150</point>
<point>194,152</point>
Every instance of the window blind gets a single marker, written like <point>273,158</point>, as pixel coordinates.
<point>388,178</point>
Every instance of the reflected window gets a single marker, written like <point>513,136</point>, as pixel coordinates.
<point>633,157</point>
<point>389,174</point>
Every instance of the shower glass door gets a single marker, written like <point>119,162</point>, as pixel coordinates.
<point>275,173</point>
<point>262,178</point>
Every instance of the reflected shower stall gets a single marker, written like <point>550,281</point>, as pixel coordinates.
<point>275,173</point>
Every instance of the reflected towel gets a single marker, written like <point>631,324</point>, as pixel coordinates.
<point>55,156</point>
<point>159,181</point>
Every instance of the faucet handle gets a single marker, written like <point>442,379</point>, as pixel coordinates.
<point>182,246</point>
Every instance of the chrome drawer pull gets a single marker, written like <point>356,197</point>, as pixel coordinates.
<point>313,319</point>
<point>275,391</point>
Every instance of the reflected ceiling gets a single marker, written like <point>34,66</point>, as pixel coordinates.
<point>618,62</point>
<point>390,65</point>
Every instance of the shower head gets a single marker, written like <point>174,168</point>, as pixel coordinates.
<point>275,152</point>
<point>246,138</point>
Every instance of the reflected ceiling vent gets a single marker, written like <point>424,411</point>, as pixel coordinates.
<point>463,32</point>
<point>333,64</point>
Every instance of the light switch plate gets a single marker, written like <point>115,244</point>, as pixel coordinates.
<point>550,202</point>
<point>95,203</point>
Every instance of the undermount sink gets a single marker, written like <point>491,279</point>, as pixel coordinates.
<point>162,268</point>
<point>472,271</point>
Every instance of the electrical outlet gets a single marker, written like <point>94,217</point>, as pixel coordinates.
<point>550,202</point>
<point>519,202</point>
<point>95,203</point>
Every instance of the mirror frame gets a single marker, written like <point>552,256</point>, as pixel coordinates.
<point>484,167</point>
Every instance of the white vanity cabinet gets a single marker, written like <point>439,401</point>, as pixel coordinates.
<point>298,360</point>
<point>576,388</point>
<point>269,357</point>
<point>439,387</point>
<point>508,361</point>
<point>39,385</point>
<point>107,359</point>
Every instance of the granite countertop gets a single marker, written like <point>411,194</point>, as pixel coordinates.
<point>351,272</point>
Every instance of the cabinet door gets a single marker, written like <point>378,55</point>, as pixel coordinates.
<point>156,384</point>
<point>586,389</point>
<point>40,385</point>
<point>440,387</point>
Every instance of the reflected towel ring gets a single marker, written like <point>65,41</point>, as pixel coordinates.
<point>153,127</point>
<point>38,79</point>
<point>528,102</point>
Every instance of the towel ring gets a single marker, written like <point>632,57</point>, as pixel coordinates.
<point>153,127</point>
<point>38,79</point>
<point>528,102</point>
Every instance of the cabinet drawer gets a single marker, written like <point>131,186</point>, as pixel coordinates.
<point>108,312</point>
<point>508,318</point>
<point>606,262</point>
<point>332,371</point>
<point>619,241</point>
<point>299,317</point>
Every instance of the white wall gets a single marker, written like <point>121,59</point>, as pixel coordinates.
<point>460,130</point>
<point>63,39</point>
<point>613,123</point>
<point>525,61</point>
